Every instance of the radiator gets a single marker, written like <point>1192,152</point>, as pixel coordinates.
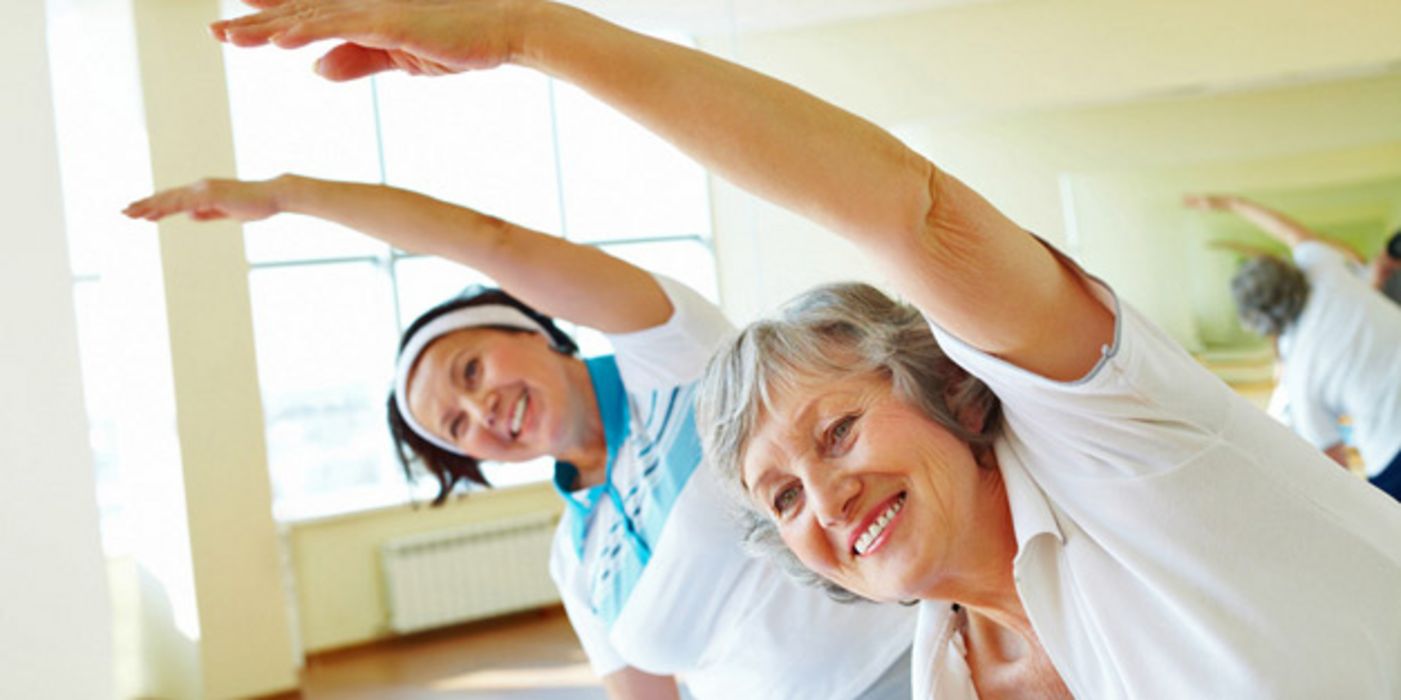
<point>468,573</point>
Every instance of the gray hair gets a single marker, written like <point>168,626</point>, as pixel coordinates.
<point>1270,293</point>
<point>833,330</point>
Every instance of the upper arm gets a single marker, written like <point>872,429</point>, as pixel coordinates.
<point>578,283</point>
<point>629,683</point>
<point>998,288</point>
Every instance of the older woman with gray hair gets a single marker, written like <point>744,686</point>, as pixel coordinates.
<point>1117,523</point>
<point>1337,338</point>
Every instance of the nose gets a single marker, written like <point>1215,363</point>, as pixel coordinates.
<point>832,494</point>
<point>481,407</point>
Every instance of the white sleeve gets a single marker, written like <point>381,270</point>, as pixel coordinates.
<point>592,633</point>
<point>1144,408</point>
<point>675,352</point>
<point>1316,257</point>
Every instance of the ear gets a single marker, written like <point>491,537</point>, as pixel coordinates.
<point>972,415</point>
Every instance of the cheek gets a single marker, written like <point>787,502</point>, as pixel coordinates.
<point>806,539</point>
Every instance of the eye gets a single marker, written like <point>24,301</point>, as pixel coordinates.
<point>471,371</point>
<point>786,498</point>
<point>840,431</point>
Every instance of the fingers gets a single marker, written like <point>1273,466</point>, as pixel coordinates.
<point>195,199</point>
<point>275,19</point>
<point>351,61</point>
<point>249,30</point>
<point>294,24</point>
<point>157,206</point>
<point>1203,201</point>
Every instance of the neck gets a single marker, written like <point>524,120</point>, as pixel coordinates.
<point>985,585</point>
<point>587,448</point>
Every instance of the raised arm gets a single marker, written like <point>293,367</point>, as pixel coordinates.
<point>1246,249</point>
<point>577,283</point>
<point>949,251</point>
<point>1277,225</point>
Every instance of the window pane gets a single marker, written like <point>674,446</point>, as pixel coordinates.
<point>100,126</point>
<point>426,282</point>
<point>324,338</point>
<point>687,261</point>
<point>286,119</point>
<point>98,327</point>
<point>482,140</point>
<point>620,180</point>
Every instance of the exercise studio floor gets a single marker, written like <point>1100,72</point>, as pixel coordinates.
<point>531,655</point>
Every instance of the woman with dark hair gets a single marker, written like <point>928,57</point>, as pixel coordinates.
<point>1118,524</point>
<point>650,571</point>
<point>1338,340</point>
<point>475,307</point>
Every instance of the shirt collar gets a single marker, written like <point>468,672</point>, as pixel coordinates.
<point>1031,512</point>
<point>612,402</point>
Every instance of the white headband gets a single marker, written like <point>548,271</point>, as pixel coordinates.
<point>456,320</point>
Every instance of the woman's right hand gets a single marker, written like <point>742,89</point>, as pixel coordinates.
<point>211,199</point>
<point>1207,202</point>
<point>419,37</point>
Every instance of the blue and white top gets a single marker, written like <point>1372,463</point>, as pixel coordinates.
<point>649,564</point>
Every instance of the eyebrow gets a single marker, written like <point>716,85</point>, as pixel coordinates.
<point>767,472</point>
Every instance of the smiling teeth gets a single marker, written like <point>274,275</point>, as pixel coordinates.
<point>864,541</point>
<point>518,416</point>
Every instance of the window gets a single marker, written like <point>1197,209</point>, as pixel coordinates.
<point>122,337</point>
<point>329,304</point>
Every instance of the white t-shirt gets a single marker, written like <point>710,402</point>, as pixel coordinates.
<point>667,588</point>
<point>1342,356</point>
<point>1175,542</point>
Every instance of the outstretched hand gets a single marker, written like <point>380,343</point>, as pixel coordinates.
<point>1207,202</point>
<point>208,200</point>
<point>419,37</point>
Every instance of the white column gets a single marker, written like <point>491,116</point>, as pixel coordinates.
<point>245,640</point>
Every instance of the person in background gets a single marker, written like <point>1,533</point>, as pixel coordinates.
<point>1337,339</point>
<point>651,573</point>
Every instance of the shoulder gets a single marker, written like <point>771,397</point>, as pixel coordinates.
<point>675,352</point>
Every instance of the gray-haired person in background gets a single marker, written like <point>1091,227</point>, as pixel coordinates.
<point>1337,338</point>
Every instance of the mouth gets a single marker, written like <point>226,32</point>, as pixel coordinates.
<point>518,414</point>
<point>872,537</point>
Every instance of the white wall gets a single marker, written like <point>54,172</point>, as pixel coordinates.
<point>1023,99</point>
<point>55,629</point>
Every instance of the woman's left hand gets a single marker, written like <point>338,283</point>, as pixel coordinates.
<point>419,37</point>
<point>210,199</point>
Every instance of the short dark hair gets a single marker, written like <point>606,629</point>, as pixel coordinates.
<point>1393,246</point>
<point>450,468</point>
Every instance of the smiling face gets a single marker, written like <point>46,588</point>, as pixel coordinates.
<point>870,493</point>
<point>501,396</point>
